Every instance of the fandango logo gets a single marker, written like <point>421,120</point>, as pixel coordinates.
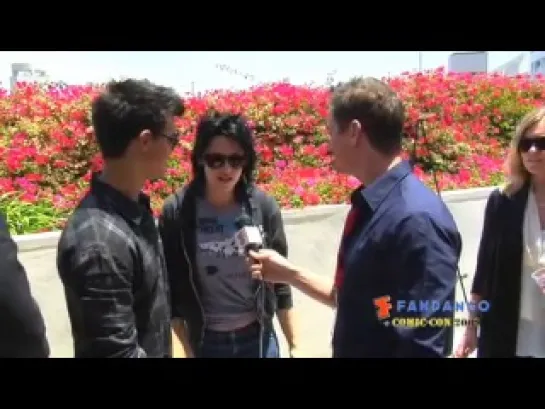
<point>420,306</point>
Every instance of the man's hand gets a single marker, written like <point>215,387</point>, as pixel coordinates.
<point>270,266</point>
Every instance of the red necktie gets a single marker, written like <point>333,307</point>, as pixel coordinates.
<point>349,225</point>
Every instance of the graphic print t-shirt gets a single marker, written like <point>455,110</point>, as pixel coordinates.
<point>227,296</point>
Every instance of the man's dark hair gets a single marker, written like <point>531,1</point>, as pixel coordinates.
<point>376,106</point>
<point>126,108</point>
<point>232,126</point>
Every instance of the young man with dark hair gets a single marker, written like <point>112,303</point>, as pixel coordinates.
<point>400,241</point>
<point>22,326</point>
<point>110,258</point>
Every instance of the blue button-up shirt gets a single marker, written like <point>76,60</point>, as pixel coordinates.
<point>406,246</point>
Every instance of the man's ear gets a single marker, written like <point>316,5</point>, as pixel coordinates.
<point>145,139</point>
<point>354,132</point>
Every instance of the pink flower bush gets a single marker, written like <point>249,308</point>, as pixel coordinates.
<point>47,151</point>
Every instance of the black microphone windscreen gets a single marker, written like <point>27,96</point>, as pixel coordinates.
<point>243,221</point>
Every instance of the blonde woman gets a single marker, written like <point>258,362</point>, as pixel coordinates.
<point>510,271</point>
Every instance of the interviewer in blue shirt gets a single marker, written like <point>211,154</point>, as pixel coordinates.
<point>400,240</point>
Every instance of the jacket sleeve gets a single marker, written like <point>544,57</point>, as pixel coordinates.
<point>429,255</point>
<point>486,253</point>
<point>23,328</point>
<point>279,243</point>
<point>99,293</point>
<point>170,233</point>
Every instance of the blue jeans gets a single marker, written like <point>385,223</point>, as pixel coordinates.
<point>241,343</point>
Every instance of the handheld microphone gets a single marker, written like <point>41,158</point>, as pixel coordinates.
<point>248,237</point>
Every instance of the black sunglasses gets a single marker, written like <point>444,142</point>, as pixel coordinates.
<point>218,160</point>
<point>526,143</point>
<point>172,138</point>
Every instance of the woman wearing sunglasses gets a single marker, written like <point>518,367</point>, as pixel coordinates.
<point>510,273</point>
<point>218,310</point>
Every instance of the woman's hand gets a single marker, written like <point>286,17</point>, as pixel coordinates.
<point>468,343</point>
<point>295,352</point>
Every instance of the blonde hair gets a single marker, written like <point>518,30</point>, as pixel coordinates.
<point>517,175</point>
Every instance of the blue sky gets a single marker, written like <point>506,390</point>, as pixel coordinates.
<point>180,69</point>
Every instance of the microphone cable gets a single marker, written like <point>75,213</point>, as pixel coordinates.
<point>261,299</point>
<point>262,286</point>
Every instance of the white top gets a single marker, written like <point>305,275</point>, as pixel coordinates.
<point>531,332</point>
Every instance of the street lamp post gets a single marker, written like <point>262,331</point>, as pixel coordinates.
<point>330,79</point>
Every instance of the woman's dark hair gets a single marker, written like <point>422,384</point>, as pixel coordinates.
<point>232,126</point>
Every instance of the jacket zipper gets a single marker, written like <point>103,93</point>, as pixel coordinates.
<point>194,290</point>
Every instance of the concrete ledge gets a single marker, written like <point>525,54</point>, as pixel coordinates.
<point>313,235</point>
<point>311,214</point>
<point>42,241</point>
<point>37,241</point>
<point>467,195</point>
